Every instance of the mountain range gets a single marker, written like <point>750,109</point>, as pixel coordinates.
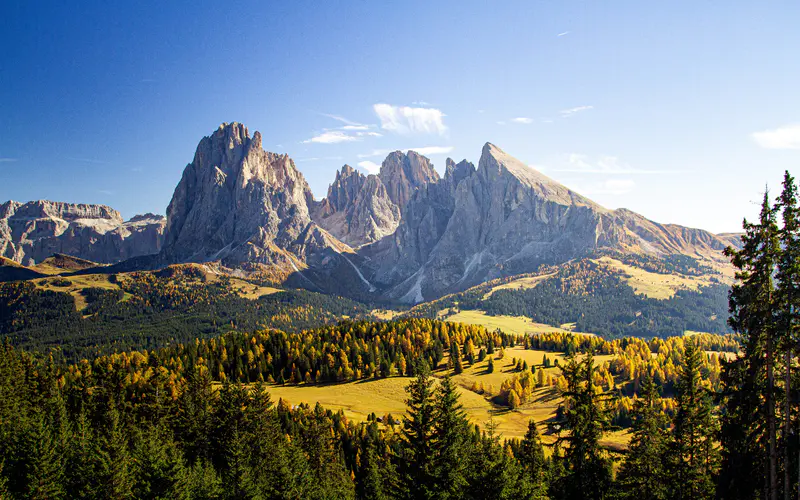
<point>404,235</point>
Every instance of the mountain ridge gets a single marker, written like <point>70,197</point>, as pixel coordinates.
<point>402,235</point>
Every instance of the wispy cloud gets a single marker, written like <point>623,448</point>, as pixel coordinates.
<point>7,160</point>
<point>331,137</point>
<point>565,33</point>
<point>606,165</point>
<point>786,137</point>
<point>523,120</point>
<point>370,166</point>
<point>566,113</point>
<point>342,119</point>
<point>405,120</point>
<point>501,122</point>
<point>105,191</point>
<point>376,152</point>
<point>420,103</point>
<point>136,169</point>
<point>350,132</point>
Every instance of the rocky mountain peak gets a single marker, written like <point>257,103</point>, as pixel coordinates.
<point>497,165</point>
<point>403,174</point>
<point>241,205</point>
<point>357,209</point>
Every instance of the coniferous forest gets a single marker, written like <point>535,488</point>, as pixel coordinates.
<point>195,419</point>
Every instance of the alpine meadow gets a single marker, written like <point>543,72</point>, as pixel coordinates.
<point>366,299</point>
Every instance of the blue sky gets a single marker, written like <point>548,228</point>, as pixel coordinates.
<point>682,111</point>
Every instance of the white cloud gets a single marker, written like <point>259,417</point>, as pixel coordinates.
<point>786,137</point>
<point>7,160</point>
<point>420,103</point>
<point>331,137</point>
<point>406,120</point>
<point>355,127</point>
<point>342,119</point>
<point>375,152</point>
<point>566,113</point>
<point>370,166</point>
<point>523,120</point>
<point>563,34</point>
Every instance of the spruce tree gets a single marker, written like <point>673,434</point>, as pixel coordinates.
<point>586,418</point>
<point>747,430</point>
<point>642,474</point>
<point>532,463</point>
<point>114,461</point>
<point>787,293</point>
<point>416,462</point>
<point>159,471</point>
<point>449,432</point>
<point>692,452</point>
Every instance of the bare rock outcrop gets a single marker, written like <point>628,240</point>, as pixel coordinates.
<point>357,209</point>
<point>31,232</point>
<point>247,209</point>
<point>403,174</point>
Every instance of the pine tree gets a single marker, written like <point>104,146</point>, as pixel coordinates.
<point>195,414</point>
<point>747,423</point>
<point>586,417</point>
<point>416,462</point>
<point>642,474</point>
<point>114,461</point>
<point>693,453</point>
<point>449,431</point>
<point>160,471</point>
<point>533,464</point>
<point>787,294</point>
<point>45,464</point>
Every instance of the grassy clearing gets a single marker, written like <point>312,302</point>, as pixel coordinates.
<point>251,291</point>
<point>518,325</point>
<point>76,285</point>
<point>387,396</point>
<point>520,284</point>
<point>385,314</point>
<point>654,285</point>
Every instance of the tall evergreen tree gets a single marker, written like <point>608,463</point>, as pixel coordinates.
<point>159,472</point>
<point>533,463</point>
<point>114,461</point>
<point>585,418</point>
<point>693,453</point>
<point>449,433</point>
<point>642,474</point>
<point>747,432</point>
<point>416,462</point>
<point>787,278</point>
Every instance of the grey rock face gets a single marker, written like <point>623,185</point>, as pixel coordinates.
<point>31,232</point>
<point>403,174</point>
<point>357,209</point>
<point>241,205</point>
<point>505,218</point>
